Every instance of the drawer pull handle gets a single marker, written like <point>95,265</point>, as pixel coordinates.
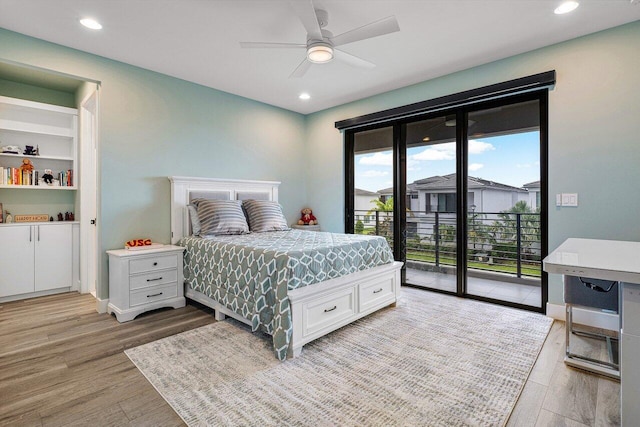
<point>379,290</point>
<point>153,280</point>
<point>154,295</point>
<point>326,310</point>
<point>155,263</point>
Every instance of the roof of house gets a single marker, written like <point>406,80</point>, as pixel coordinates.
<point>411,188</point>
<point>361,192</point>
<point>448,182</point>
<point>534,184</point>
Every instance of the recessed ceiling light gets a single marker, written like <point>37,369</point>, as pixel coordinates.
<point>304,96</point>
<point>566,7</point>
<point>91,23</point>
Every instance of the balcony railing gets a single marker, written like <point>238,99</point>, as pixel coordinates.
<point>504,242</point>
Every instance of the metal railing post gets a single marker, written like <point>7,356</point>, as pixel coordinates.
<point>436,232</point>
<point>518,247</point>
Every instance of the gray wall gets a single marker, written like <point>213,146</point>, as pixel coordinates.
<point>594,134</point>
<point>153,126</point>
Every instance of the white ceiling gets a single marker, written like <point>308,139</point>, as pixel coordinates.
<point>198,40</point>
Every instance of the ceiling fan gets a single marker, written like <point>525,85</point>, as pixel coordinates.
<point>321,44</point>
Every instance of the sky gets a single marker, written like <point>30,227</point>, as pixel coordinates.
<point>511,159</point>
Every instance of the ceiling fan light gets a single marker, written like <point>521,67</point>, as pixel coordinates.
<point>566,7</point>
<point>320,54</point>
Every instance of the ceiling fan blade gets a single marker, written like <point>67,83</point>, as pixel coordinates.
<point>301,69</point>
<point>378,28</point>
<point>352,59</point>
<point>260,45</point>
<point>307,14</point>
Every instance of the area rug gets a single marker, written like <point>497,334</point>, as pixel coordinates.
<point>432,360</point>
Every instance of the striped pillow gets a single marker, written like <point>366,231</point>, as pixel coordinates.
<point>265,216</point>
<point>221,217</point>
<point>195,222</point>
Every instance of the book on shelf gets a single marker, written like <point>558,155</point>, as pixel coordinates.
<point>17,176</point>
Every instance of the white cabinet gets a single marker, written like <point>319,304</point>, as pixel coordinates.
<point>36,258</point>
<point>53,256</point>
<point>16,260</point>
<point>50,128</point>
<point>143,280</point>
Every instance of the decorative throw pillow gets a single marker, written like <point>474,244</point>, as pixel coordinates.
<point>220,217</point>
<point>195,221</point>
<point>265,216</point>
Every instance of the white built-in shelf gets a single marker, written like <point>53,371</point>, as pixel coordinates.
<point>16,126</point>
<point>52,129</point>
<point>38,187</point>
<point>23,156</point>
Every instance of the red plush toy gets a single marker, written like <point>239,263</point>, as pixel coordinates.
<point>307,217</point>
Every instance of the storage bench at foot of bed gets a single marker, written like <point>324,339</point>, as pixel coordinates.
<point>323,308</point>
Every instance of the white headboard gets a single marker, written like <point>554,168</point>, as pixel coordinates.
<point>237,189</point>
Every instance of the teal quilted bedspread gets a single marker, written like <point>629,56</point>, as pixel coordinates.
<point>251,274</point>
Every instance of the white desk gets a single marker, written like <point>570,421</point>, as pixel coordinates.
<point>611,260</point>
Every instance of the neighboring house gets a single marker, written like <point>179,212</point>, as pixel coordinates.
<point>437,194</point>
<point>412,196</point>
<point>363,203</point>
<point>533,189</point>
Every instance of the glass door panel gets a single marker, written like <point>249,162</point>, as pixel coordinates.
<point>503,218</point>
<point>431,194</point>
<point>373,182</point>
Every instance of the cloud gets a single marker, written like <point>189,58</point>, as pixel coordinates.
<point>475,166</point>
<point>437,152</point>
<point>448,151</point>
<point>373,174</point>
<point>479,147</point>
<point>377,159</point>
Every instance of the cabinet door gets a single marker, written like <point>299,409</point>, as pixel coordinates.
<point>16,260</point>
<point>53,255</point>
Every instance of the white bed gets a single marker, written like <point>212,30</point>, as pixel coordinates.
<point>316,309</point>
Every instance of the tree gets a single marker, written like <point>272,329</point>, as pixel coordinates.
<point>504,232</point>
<point>383,227</point>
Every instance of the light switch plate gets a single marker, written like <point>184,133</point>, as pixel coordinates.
<point>569,199</point>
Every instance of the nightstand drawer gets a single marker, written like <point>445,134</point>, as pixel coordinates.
<point>152,263</point>
<point>156,293</point>
<point>153,279</point>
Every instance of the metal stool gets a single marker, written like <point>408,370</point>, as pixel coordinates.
<point>592,294</point>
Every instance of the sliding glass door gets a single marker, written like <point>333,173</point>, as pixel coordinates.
<point>432,194</point>
<point>460,195</point>
<point>504,203</point>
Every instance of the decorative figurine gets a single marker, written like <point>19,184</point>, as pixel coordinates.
<point>307,217</point>
<point>47,177</point>
<point>50,218</point>
<point>59,216</point>
<point>29,151</point>
<point>8,218</point>
<point>26,165</point>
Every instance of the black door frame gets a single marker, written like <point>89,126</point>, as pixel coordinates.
<point>400,184</point>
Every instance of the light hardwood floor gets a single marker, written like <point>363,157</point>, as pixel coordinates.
<point>62,364</point>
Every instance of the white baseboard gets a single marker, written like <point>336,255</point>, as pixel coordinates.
<point>594,318</point>
<point>101,305</point>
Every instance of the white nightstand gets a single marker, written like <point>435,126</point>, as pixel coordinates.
<point>306,227</point>
<point>143,280</point>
